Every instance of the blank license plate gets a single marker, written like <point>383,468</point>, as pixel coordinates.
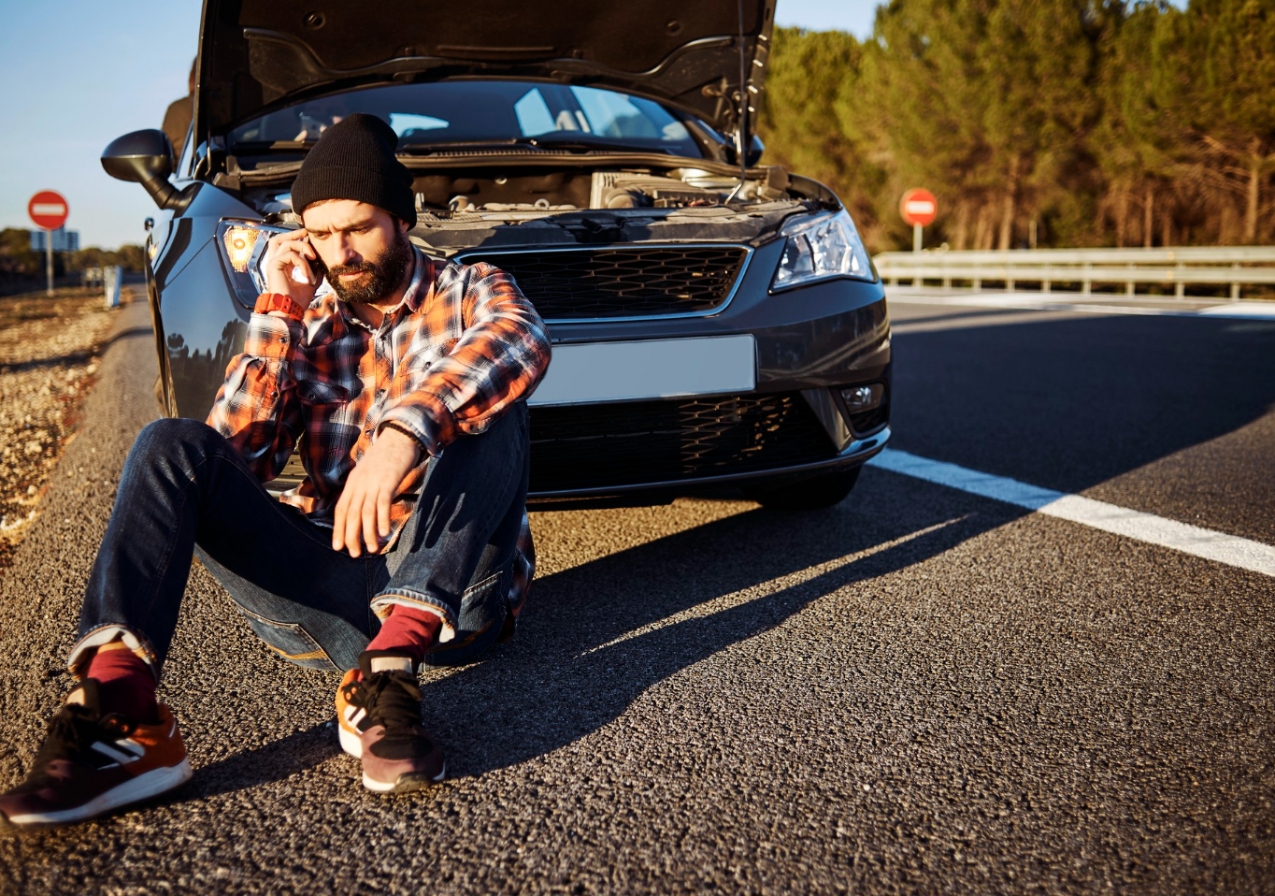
<point>595,372</point>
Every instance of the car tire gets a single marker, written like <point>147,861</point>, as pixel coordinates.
<point>815,493</point>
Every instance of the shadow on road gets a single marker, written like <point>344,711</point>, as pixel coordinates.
<point>1071,403</point>
<point>274,761</point>
<point>577,664</point>
<point>576,671</point>
<point>1066,404</point>
<point>1063,403</point>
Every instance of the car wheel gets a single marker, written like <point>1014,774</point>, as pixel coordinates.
<point>814,493</point>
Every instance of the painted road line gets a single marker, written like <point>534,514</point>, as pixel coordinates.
<point>1241,309</point>
<point>1146,527</point>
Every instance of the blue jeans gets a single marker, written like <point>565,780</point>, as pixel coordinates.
<point>184,488</point>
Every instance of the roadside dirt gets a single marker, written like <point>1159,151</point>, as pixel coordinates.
<point>48,362</point>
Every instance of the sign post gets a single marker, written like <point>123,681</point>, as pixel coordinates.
<point>48,210</point>
<point>918,208</point>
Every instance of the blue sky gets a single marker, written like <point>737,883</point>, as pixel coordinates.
<point>78,73</point>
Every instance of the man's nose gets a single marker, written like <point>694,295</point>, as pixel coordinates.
<point>345,253</point>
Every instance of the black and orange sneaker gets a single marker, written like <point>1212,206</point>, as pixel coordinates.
<point>93,763</point>
<point>379,718</point>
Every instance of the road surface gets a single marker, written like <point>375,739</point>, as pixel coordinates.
<point>921,690</point>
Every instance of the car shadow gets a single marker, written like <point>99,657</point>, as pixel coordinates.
<point>1071,403</point>
<point>597,636</point>
<point>601,634</point>
<point>1062,403</point>
<point>276,761</point>
<point>1065,404</point>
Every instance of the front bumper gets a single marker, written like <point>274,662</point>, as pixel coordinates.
<point>811,343</point>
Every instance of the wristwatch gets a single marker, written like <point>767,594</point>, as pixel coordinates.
<point>275,301</point>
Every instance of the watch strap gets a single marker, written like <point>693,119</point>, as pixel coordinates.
<point>274,301</point>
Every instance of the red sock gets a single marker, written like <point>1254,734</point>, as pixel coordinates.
<point>126,684</point>
<point>408,631</point>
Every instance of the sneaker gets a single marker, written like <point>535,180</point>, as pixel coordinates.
<point>91,764</point>
<point>379,716</point>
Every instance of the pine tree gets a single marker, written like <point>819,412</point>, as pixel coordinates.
<point>1217,81</point>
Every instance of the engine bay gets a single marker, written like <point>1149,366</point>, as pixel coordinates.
<point>511,204</point>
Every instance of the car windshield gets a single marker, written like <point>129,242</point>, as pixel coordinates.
<point>467,112</point>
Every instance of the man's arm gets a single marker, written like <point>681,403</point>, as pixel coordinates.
<point>501,356</point>
<point>257,408</point>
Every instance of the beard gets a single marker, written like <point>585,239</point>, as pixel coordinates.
<point>380,278</point>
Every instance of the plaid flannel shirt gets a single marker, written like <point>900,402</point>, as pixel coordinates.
<point>463,346</point>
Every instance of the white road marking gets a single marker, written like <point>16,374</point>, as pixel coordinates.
<point>1146,527</point>
<point>1241,309</point>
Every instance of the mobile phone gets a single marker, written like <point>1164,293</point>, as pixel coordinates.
<point>316,271</point>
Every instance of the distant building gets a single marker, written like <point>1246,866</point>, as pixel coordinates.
<point>63,240</point>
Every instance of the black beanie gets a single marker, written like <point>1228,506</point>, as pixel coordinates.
<point>354,159</point>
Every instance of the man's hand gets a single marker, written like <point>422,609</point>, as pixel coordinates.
<point>288,252</point>
<point>363,511</point>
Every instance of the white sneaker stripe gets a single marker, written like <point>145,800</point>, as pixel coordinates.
<point>132,746</point>
<point>120,757</point>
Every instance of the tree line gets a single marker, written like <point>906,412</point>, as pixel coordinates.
<point>19,263</point>
<point>1039,122</point>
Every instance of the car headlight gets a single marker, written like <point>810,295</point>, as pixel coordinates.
<point>828,246</point>
<point>242,246</point>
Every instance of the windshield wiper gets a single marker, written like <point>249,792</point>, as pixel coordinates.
<point>424,149</point>
<point>528,144</point>
<point>251,146</point>
<point>574,142</point>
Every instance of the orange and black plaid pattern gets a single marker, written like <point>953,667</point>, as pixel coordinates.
<point>463,345</point>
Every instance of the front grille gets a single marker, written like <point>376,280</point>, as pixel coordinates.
<point>623,282</point>
<point>612,445</point>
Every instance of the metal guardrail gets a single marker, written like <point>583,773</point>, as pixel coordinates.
<point>1233,266</point>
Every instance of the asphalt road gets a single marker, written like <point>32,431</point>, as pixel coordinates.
<point>917,691</point>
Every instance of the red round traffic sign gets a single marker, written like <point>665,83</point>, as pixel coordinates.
<point>919,207</point>
<point>48,209</point>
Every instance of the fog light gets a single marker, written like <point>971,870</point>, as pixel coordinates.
<point>863,398</point>
<point>239,242</point>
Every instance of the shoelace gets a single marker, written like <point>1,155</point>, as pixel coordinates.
<point>74,729</point>
<point>391,699</point>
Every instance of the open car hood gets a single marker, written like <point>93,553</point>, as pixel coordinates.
<point>256,55</point>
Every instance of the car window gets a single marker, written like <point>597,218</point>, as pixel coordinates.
<point>478,111</point>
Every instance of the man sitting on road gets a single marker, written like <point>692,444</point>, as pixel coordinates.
<point>404,392</point>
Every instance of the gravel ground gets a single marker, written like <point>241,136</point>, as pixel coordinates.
<point>48,361</point>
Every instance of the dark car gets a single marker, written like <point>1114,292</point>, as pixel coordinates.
<point>715,322</point>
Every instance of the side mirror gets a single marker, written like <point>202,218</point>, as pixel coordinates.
<point>144,157</point>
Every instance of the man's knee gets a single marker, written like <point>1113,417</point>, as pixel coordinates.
<point>173,435</point>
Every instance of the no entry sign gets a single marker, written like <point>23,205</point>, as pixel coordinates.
<point>47,209</point>
<point>919,207</point>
